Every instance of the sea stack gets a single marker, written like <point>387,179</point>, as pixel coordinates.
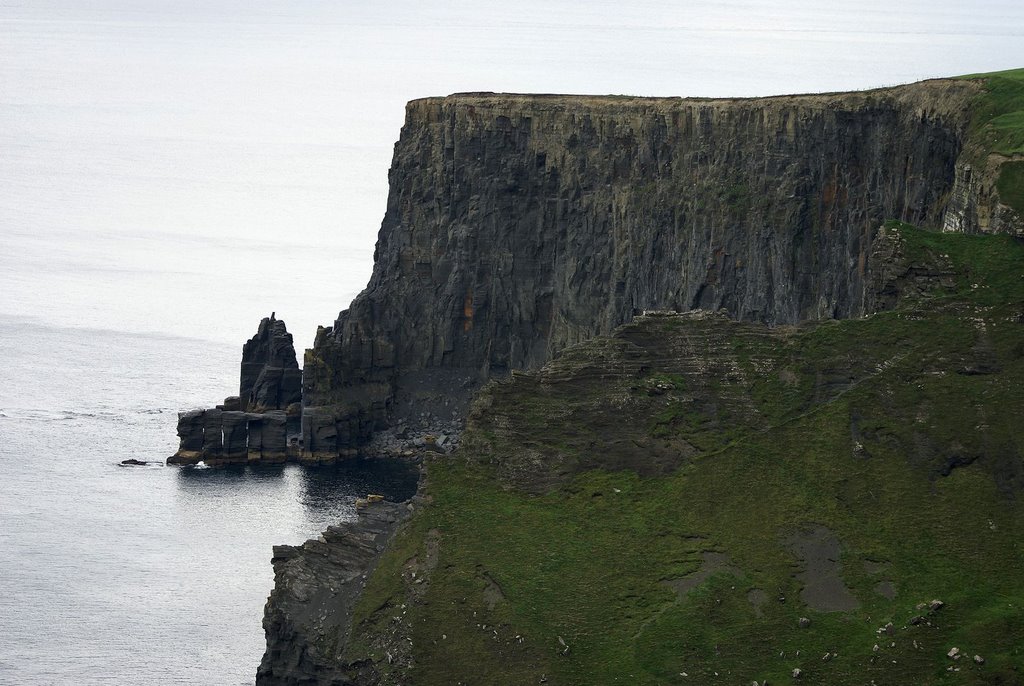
<point>261,423</point>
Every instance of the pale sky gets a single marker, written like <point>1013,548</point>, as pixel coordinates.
<point>158,156</point>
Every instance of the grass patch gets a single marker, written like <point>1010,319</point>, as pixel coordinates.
<point>989,268</point>
<point>997,126</point>
<point>1011,181</point>
<point>998,119</point>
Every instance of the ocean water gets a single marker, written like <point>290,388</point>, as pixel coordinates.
<point>171,171</point>
<point>139,575</point>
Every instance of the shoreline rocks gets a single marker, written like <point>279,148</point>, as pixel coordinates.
<point>316,586</point>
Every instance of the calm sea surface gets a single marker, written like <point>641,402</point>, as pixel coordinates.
<point>138,575</point>
<point>171,171</point>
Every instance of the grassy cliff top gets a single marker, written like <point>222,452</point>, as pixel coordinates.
<point>933,93</point>
<point>999,113</point>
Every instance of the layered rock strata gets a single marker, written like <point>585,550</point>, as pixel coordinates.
<point>518,225</point>
<point>261,423</point>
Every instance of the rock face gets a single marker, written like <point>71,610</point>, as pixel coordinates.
<point>271,378</point>
<point>316,585</point>
<point>518,225</point>
<point>255,425</point>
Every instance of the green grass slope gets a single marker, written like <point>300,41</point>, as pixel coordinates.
<point>999,114</point>
<point>997,127</point>
<point>633,512</point>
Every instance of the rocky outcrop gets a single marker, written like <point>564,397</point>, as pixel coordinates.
<point>270,378</point>
<point>261,423</point>
<point>518,225</point>
<point>894,276</point>
<point>975,204</point>
<point>316,586</point>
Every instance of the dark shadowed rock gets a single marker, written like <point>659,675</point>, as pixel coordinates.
<point>234,429</point>
<point>274,436</point>
<point>270,376</point>
<point>213,439</point>
<point>519,225</point>
<point>232,403</point>
<point>316,585</point>
<point>824,590</point>
<point>190,431</point>
<point>254,425</point>
<point>320,433</point>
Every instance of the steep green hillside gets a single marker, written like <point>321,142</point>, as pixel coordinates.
<point>664,505</point>
<point>999,116</point>
<point>998,128</point>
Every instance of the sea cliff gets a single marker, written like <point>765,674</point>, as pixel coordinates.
<point>694,499</point>
<point>518,225</point>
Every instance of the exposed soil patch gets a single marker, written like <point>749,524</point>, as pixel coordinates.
<point>492,593</point>
<point>874,567</point>
<point>818,550</point>
<point>757,599</point>
<point>886,589</point>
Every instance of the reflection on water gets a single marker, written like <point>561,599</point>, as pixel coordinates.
<point>326,493</point>
<point>394,479</point>
<point>199,478</point>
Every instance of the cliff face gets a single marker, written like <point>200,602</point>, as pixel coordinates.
<point>316,587</point>
<point>517,225</point>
